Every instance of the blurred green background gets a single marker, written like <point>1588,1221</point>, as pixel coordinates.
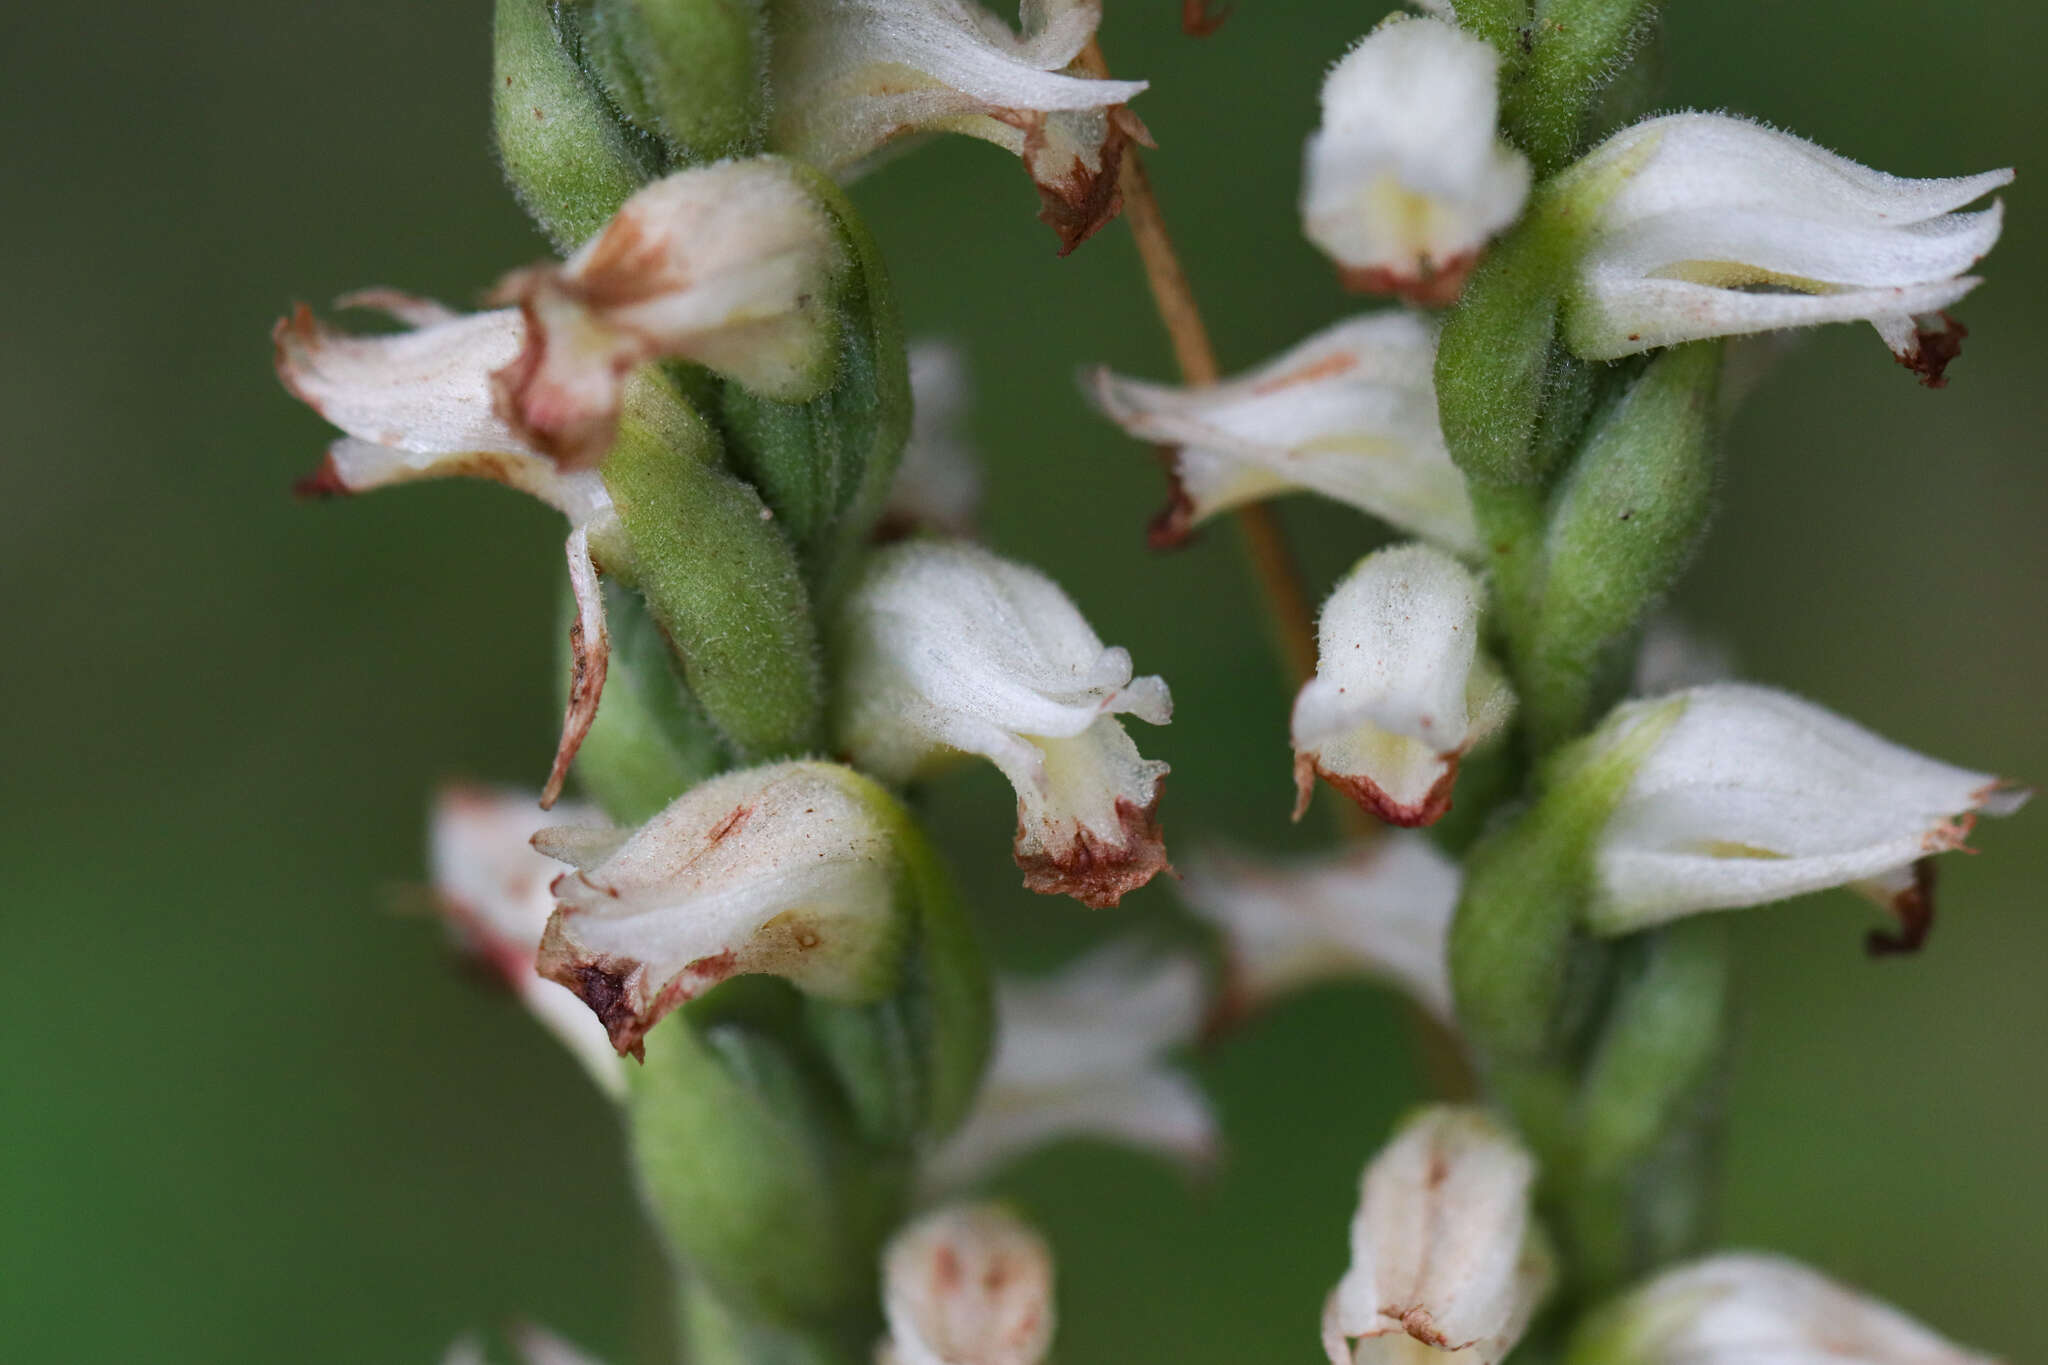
<point>252,1113</point>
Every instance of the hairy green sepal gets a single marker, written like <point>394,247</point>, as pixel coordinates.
<point>688,72</point>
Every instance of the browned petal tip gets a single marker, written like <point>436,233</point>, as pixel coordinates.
<point>1372,799</point>
<point>586,687</point>
<point>1196,19</point>
<point>324,482</point>
<point>603,983</point>
<point>1094,871</point>
<point>1933,349</point>
<point>1434,285</point>
<point>1074,200</point>
<point>1173,525</point>
<point>1914,909</point>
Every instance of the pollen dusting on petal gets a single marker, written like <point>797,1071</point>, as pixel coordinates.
<point>1932,350</point>
<point>1913,905</point>
<point>1370,797</point>
<point>1432,286</point>
<point>1094,871</point>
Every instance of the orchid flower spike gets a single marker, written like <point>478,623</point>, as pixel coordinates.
<point>1738,1308</point>
<point>937,488</point>
<point>968,1284</point>
<point>1446,1258</point>
<point>1705,225</point>
<point>851,76</point>
<point>1406,178</point>
<point>1742,795</point>
<point>729,265</point>
<point>947,650</point>
<point>789,869</point>
<point>1350,414</point>
<point>1078,1054</point>
<point>492,888</point>
<point>1402,689</point>
<point>1380,909</point>
<point>418,404</point>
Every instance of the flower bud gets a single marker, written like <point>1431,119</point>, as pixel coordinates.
<point>967,1285</point>
<point>493,889</point>
<point>1380,909</point>
<point>1741,1307</point>
<point>1407,178</point>
<point>562,148</point>
<point>1702,225</point>
<point>728,265</point>
<point>850,76</point>
<point>417,405</point>
<point>1350,413</point>
<point>1402,689</point>
<point>1078,1055</point>
<point>946,649</point>
<point>1750,795</point>
<point>787,869</point>
<point>1444,1252</point>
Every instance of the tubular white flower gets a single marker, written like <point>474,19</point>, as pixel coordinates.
<point>788,869</point>
<point>729,265</point>
<point>1445,1256</point>
<point>1380,909</point>
<point>1402,689</point>
<point>1742,1307</point>
<point>1349,413</point>
<point>968,1284</point>
<point>418,404</point>
<point>1711,226</point>
<point>938,482</point>
<point>1407,178</point>
<point>1078,1055</point>
<point>493,889</point>
<point>850,76</point>
<point>946,649</point>
<point>1751,795</point>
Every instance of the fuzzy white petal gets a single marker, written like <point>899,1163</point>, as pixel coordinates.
<point>947,648</point>
<point>1443,1247</point>
<point>1701,212</point>
<point>1743,1308</point>
<point>1754,795</point>
<point>493,887</point>
<point>1380,910</point>
<point>967,1285</point>
<point>786,869</point>
<point>1407,178</point>
<point>1078,1055</point>
<point>1349,413</point>
<point>1401,689</point>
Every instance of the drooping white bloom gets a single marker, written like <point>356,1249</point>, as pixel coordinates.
<point>1380,909</point>
<point>946,649</point>
<point>1406,178</point>
<point>788,869</point>
<point>1742,1307</point>
<point>851,76</point>
<point>1446,1259</point>
<point>1747,795</point>
<point>1078,1054</point>
<point>493,888</point>
<point>728,265</point>
<point>968,1284</point>
<point>1402,689</point>
<point>1711,226</point>
<point>418,404</point>
<point>938,483</point>
<point>535,1345</point>
<point>1349,413</point>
